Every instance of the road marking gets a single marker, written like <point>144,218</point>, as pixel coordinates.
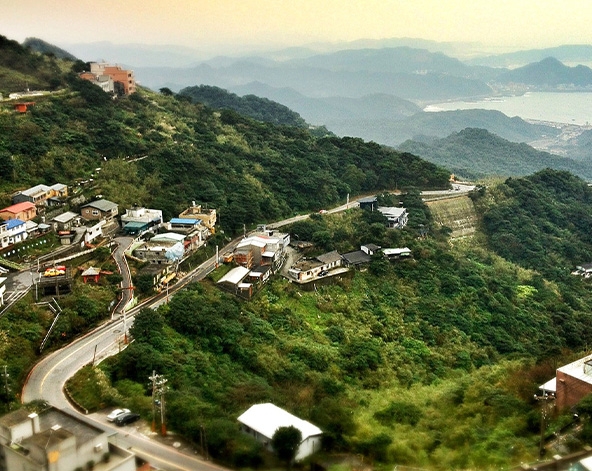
<point>83,345</point>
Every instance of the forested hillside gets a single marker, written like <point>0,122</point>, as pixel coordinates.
<point>429,362</point>
<point>261,109</point>
<point>541,222</point>
<point>476,153</point>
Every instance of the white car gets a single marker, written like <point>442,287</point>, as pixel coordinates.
<point>116,413</point>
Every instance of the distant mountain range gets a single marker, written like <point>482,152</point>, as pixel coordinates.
<point>573,53</point>
<point>375,90</point>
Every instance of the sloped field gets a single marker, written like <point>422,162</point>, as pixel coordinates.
<point>457,213</point>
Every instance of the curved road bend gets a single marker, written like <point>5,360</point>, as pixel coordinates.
<point>47,379</point>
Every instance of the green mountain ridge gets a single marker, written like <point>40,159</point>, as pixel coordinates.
<point>476,153</point>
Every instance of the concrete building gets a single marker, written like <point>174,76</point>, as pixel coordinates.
<point>57,441</point>
<point>261,421</point>
<point>41,195</point>
<point>396,217</point>
<point>111,78</point>
<point>207,216</point>
<point>12,232</point>
<point>137,219</point>
<point>310,268</point>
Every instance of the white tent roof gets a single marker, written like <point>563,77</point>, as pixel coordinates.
<point>390,211</point>
<point>388,252</point>
<point>235,276</point>
<point>550,386</point>
<point>267,418</point>
<point>168,236</point>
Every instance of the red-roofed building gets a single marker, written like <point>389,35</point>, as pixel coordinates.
<point>23,211</point>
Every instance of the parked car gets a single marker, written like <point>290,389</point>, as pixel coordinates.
<point>116,413</point>
<point>55,271</point>
<point>127,418</point>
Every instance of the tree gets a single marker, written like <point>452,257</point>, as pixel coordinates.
<point>285,442</point>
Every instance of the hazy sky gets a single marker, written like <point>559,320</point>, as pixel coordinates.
<point>209,24</point>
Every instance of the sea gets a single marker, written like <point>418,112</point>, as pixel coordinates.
<point>555,107</point>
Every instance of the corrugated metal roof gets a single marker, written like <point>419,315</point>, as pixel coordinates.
<point>192,222</point>
<point>12,223</point>
<point>101,205</point>
<point>235,276</point>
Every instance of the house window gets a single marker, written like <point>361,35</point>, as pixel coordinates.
<point>95,212</point>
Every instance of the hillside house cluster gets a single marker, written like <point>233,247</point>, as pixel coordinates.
<point>257,257</point>
<point>111,78</point>
<point>334,263</point>
<point>42,195</point>
<point>397,217</point>
<point>57,441</point>
<point>165,244</point>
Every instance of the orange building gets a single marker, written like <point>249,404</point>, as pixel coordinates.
<point>23,211</point>
<point>111,78</point>
<point>123,77</point>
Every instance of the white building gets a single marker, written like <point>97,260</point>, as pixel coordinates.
<point>397,217</point>
<point>139,219</point>
<point>262,420</point>
<point>12,232</point>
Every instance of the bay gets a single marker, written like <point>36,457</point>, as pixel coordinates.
<point>568,108</point>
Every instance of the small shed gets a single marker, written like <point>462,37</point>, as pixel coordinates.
<point>23,107</point>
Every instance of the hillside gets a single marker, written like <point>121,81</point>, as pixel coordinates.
<point>477,153</point>
<point>425,126</point>
<point>549,74</point>
<point>397,363</point>
<point>429,362</point>
<point>21,70</point>
<point>160,150</point>
<point>327,110</point>
<point>43,47</point>
<point>261,109</point>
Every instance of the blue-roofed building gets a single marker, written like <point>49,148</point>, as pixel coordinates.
<point>193,229</point>
<point>12,232</point>
<point>185,222</point>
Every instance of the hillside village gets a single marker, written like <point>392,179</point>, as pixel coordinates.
<point>382,333</point>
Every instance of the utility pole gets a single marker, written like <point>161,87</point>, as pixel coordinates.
<point>153,379</point>
<point>159,389</point>
<point>544,400</point>
<point>6,388</point>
